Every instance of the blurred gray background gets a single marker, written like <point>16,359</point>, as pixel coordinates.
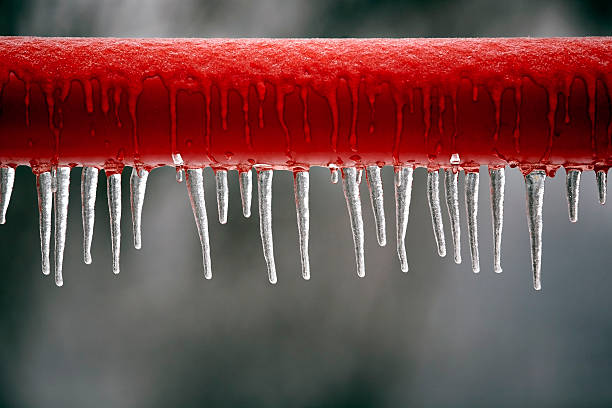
<point>160,335</point>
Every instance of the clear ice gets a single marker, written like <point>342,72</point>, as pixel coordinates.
<point>497,189</point>
<point>452,204</point>
<point>222,194</point>
<point>195,189</point>
<point>113,183</point>
<point>403,195</point>
<point>7,179</point>
<point>60,198</point>
<point>433,197</point>
<point>353,203</point>
<point>534,188</point>
<point>138,187</point>
<point>376,199</point>
<point>89,185</point>
<point>301,186</point>
<point>471,206</point>
<point>246,191</point>
<point>264,180</point>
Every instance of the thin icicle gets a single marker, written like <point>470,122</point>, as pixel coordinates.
<point>246,191</point>
<point>498,182</point>
<point>602,185</point>
<point>89,185</point>
<point>138,187</point>
<point>195,189</point>
<point>177,159</point>
<point>264,179</point>
<point>222,194</point>
<point>7,179</point>
<point>534,188</point>
<point>572,188</point>
<point>301,186</point>
<point>353,203</point>
<point>60,198</point>
<point>45,206</point>
<point>433,197</point>
<point>376,199</point>
<point>452,204</point>
<point>471,206</point>
<point>334,175</point>
<point>359,175</point>
<point>113,183</point>
<point>403,195</point>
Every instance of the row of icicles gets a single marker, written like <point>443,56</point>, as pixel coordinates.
<point>52,187</point>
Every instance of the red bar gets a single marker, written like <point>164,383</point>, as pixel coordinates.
<point>296,103</point>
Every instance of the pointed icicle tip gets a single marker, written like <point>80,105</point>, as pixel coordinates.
<point>60,198</point>
<point>114,208</point>
<point>572,188</point>
<point>301,186</point>
<point>264,180</point>
<point>246,191</point>
<point>451,190</point>
<point>195,189</point>
<point>138,188</point>
<point>376,199</point>
<point>89,185</point>
<point>534,190</point>
<point>45,206</point>
<point>7,179</point>
<point>433,198</point>
<point>497,189</point>
<point>222,194</point>
<point>602,185</point>
<point>353,203</point>
<point>403,196</point>
<point>471,205</point>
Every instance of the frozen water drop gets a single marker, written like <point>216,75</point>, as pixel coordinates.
<point>222,194</point>
<point>45,206</point>
<point>498,182</point>
<point>433,197</point>
<point>89,184</point>
<point>403,195</point>
<point>471,206</point>
<point>455,159</point>
<point>602,185</point>
<point>572,184</point>
<point>60,198</point>
<point>534,188</point>
<point>301,186</point>
<point>113,183</point>
<point>246,191</point>
<point>376,199</point>
<point>353,203</point>
<point>195,189</point>
<point>7,179</point>
<point>138,187</point>
<point>452,204</point>
<point>264,179</point>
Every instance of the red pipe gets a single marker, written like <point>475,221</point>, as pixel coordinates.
<point>535,103</point>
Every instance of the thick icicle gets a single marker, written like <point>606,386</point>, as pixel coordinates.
<point>334,175</point>
<point>301,186</point>
<point>60,198</point>
<point>376,199</point>
<point>246,189</point>
<point>452,204</point>
<point>7,179</point>
<point>45,206</point>
<point>471,206</point>
<point>353,203</point>
<point>195,188</point>
<point>572,186</point>
<point>113,183</point>
<point>264,179</point>
<point>222,194</point>
<point>403,195</point>
<point>534,188</point>
<point>602,185</point>
<point>89,185</point>
<point>498,182</point>
<point>138,187</point>
<point>433,197</point>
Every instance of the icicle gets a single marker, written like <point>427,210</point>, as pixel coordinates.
<point>7,179</point>
<point>471,205</point>
<point>452,204</point>
<point>113,186</point>
<point>301,185</point>
<point>602,185</point>
<point>138,187</point>
<point>376,199</point>
<point>359,175</point>
<point>403,195</point>
<point>177,159</point>
<point>246,188</point>
<point>572,186</point>
<point>433,197</point>
<point>264,179</point>
<point>498,182</point>
<point>89,185</point>
<point>534,187</point>
<point>195,188</point>
<point>334,177</point>
<point>222,194</point>
<point>45,205</point>
<point>353,203</point>
<point>60,198</point>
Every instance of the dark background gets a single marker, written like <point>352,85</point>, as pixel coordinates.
<point>160,335</point>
